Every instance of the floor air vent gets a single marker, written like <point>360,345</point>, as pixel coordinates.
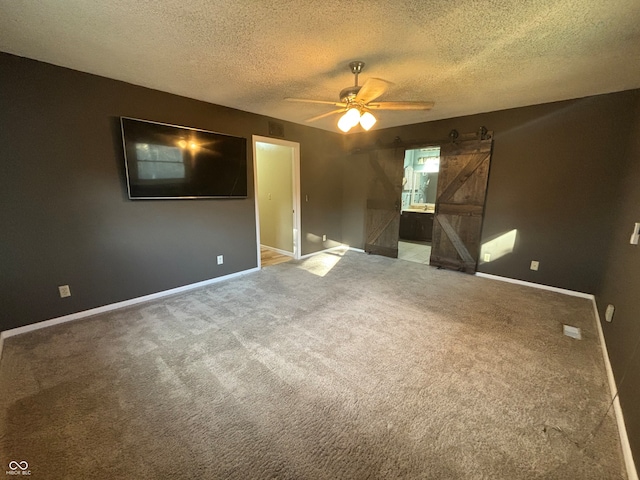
<point>573,332</point>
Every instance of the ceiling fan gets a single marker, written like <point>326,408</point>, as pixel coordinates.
<point>357,102</point>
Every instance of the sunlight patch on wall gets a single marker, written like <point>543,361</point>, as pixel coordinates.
<point>498,247</point>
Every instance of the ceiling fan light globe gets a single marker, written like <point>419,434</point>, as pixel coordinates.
<point>349,119</point>
<point>353,115</point>
<point>344,124</point>
<point>367,120</point>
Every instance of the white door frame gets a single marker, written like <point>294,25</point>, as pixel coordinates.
<point>296,191</point>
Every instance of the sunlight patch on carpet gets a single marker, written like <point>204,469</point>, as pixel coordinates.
<point>320,265</point>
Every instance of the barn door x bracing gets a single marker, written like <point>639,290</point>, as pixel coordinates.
<point>462,186</point>
<point>383,202</point>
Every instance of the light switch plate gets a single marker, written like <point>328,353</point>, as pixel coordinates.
<point>635,235</point>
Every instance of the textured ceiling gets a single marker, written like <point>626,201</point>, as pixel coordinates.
<point>468,56</point>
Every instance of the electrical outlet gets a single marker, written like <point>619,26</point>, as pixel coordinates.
<point>324,238</point>
<point>64,291</point>
<point>534,265</point>
<point>220,259</point>
<point>487,257</point>
<point>608,313</point>
<point>635,235</point>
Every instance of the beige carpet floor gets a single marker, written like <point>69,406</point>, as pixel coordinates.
<point>335,367</point>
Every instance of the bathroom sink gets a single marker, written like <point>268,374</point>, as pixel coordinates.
<point>418,210</point>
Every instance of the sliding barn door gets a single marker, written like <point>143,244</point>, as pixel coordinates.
<point>462,187</point>
<point>383,202</point>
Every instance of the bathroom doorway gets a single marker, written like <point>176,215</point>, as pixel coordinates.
<point>419,189</point>
<point>277,187</point>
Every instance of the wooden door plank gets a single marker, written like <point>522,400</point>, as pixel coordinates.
<point>474,162</point>
<point>381,175</point>
<point>457,209</point>
<point>381,250</point>
<point>375,233</point>
<point>464,169</point>
<point>454,238</point>
<point>383,202</point>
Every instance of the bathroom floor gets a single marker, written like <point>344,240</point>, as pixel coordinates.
<point>418,252</point>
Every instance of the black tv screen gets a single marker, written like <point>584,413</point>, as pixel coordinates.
<point>167,161</point>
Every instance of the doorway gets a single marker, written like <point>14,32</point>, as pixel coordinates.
<point>419,188</point>
<point>277,193</point>
<point>453,219</point>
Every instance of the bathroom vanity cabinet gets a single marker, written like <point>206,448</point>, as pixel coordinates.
<point>416,226</point>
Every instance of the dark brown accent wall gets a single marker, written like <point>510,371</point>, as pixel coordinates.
<point>64,211</point>
<point>554,174</point>
<point>621,288</point>
<point>321,188</point>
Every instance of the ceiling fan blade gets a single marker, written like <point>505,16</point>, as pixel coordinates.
<point>313,119</point>
<point>401,106</point>
<point>372,89</point>
<point>323,102</point>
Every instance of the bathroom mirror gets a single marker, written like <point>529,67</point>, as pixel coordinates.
<point>420,183</point>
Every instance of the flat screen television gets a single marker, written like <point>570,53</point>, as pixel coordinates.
<point>166,161</point>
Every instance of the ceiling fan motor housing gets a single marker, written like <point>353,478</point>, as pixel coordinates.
<point>347,95</point>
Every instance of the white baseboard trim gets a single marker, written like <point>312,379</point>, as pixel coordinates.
<point>354,249</point>
<point>564,291</point>
<point>326,250</point>
<point>115,306</point>
<point>277,250</point>
<point>632,472</point>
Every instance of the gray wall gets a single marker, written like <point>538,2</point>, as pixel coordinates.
<point>355,180</point>
<point>64,211</point>
<point>321,189</point>
<point>555,170</point>
<point>621,288</point>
